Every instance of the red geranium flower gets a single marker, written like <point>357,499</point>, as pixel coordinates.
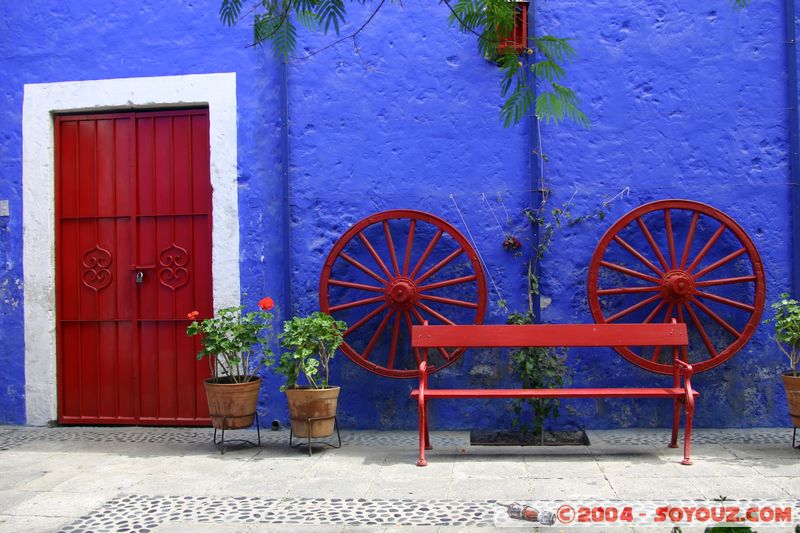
<point>193,315</point>
<point>266,303</point>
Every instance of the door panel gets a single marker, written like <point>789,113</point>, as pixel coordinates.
<point>133,195</point>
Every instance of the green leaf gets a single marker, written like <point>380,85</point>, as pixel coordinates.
<point>309,19</point>
<point>331,12</point>
<point>558,104</point>
<point>284,40</point>
<point>548,70</point>
<point>517,105</point>
<point>229,11</point>
<point>555,48</point>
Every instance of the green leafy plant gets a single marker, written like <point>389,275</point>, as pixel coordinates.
<point>786,321</point>
<point>310,343</point>
<point>538,368</point>
<point>235,343</point>
<point>546,222</point>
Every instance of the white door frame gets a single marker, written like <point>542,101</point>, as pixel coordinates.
<point>41,102</point>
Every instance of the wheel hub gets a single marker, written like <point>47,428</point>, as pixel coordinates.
<point>401,293</point>
<point>677,286</point>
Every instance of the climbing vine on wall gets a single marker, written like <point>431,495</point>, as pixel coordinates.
<point>542,61</point>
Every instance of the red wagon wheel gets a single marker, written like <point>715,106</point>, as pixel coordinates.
<point>394,269</point>
<point>685,260</point>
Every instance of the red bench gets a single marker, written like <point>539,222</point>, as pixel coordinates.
<point>572,335</point>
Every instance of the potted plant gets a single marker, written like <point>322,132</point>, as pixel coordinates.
<point>786,321</point>
<point>236,345</point>
<point>310,343</point>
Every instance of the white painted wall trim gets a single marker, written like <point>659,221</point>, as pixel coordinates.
<point>41,101</point>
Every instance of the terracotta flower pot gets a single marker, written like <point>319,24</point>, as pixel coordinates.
<point>316,404</point>
<point>792,385</point>
<point>232,405</point>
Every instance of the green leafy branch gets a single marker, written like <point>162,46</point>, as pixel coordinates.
<point>532,80</point>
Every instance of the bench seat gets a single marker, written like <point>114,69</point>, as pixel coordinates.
<point>658,392</point>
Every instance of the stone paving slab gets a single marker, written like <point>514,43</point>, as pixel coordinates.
<point>174,479</point>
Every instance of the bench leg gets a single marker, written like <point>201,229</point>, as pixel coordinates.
<point>676,422</point>
<point>687,435</point>
<point>427,434</point>
<point>423,432</point>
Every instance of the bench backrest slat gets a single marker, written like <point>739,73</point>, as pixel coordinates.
<point>566,335</point>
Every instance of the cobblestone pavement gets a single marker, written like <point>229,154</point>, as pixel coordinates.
<point>81,479</point>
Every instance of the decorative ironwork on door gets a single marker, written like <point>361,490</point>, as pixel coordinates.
<point>174,272</point>
<point>96,268</point>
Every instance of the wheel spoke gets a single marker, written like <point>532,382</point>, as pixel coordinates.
<point>714,316</point>
<point>637,255</point>
<point>378,332</point>
<point>632,308</point>
<point>417,355</point>
<point>725,281</point>
<point>689,238</point>
<point>447,283</point>
<point>628,290</point>
<point>351,285</point>
<point>449,301</point>
<point>374,254</point>
<point>426,253</point>
<point>728,258</point>
<point>421,319</point>
<point>670,238</point>
<point>435,314</point>
<point>364,269</point>
<point>393,346</point>
<point>357,303</point>
<point>652,241</point>
<point>655,311</point>
<point>409,244</point>
<point>701,330</point>
<point>667,318</point>
<point>726,301</point>
<point>684,349</point>
<point>390,244</point>
<point>630,272</point>
<point>365,319</point>
<point>717,234</point>
<point>438,266</point>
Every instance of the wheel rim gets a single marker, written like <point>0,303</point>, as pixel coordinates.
<point>684,260</point>
<point>394,269</point>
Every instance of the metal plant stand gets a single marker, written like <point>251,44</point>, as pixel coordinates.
<point>308,441</point>
<point>222,443</point>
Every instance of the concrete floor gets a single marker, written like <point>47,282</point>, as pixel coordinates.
<point>176,480</point>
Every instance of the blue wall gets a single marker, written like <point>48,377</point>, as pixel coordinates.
<point>686,101</point>
<point>63,41</point>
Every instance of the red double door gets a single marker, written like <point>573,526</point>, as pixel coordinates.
<point>133,252</point>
